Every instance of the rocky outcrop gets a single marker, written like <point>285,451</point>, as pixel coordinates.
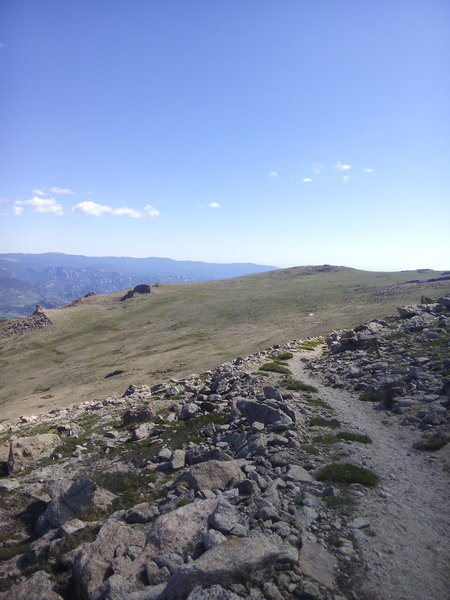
<point>38,320</point>
<point>143,288</point>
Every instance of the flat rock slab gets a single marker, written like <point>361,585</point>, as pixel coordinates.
<point>213,474</point>
<point>317,563</point>
<point>224,564</point>
<point>296,473</point>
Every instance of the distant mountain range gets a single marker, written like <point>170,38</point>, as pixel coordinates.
<point>53,279</point>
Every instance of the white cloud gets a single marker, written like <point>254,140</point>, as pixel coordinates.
<point>92,208</point>
<point>151,211</point>
<point>39,192</point>
<point>368,170</point>
<point>346,178</point>
<point>43,205</point>
<point>307,180</point>
<point>340,167</point>
<point>273,173</point>
<point>18,210</point>
<point>214,205</point>
<point>58,190</point>
<point>129,212</point>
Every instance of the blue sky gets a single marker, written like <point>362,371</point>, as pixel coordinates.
<point>282,132</point>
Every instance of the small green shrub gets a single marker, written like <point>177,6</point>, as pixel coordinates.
<point>368,397</point>
<point>283,356</point>
<point>298,386</point>
<point>436,442</point>
<point>322,422</point>
<point>275,368</point>
<point>348,473</point>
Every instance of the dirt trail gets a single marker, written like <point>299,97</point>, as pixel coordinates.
<point>408,559</point>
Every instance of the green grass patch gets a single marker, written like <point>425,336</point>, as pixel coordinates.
<point>298,386</point>
<point>311,344</point>
<point>348,473</point>
<point>436,442</point>
<point>322,422</point>
<point>326,439</point>
<point>275,368</point>
<point>321,403</point>
<point>354,437</point>
<point>11,550</point>
<point>310,449</point>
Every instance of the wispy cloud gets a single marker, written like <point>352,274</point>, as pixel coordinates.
<point>342,167</point>
<point>58,190</point>
<point>368,170</point>
<point>151,211</point>
<point>307,180</point>
<point>214,205</point>
<point>127,212</point>
<point>97,210</point>
<point>92,208</point>
<point>18,210</point>
<point>39,192</point>
<point>42,205</point>
<point>273,173</point>
<point>346,178</point>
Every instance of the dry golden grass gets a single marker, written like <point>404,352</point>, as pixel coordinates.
<point>181,329</point>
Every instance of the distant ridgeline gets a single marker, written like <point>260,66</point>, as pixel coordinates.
<point>55,279</point>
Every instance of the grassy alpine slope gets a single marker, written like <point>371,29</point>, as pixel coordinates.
<point>181,329</point>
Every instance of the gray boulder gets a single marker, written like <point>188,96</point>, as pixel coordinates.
<point>94,561</point>
<point>37,587</point>
<point>216,592</point>
<point>180,530</point>
<point>225,519</point>
<point>76,501</point>
<point>263,413</point>
<point>225,564</point>
<point>25,451</point>
<point>210,475</point>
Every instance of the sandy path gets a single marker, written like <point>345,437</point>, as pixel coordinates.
<point>408,559</point>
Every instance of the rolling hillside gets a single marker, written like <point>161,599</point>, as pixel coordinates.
<point>53,279</point>
<point>181,329</point>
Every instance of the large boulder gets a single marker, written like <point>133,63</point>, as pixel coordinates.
<point>233,561</point>
<point>317,563</point>
<point>262,412</point>
<point>26,451</point>
<point>74,500</point>
<point>180,530</point>
<point>37,587</point>
<point>211,475</point>
<point>111,552</point>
